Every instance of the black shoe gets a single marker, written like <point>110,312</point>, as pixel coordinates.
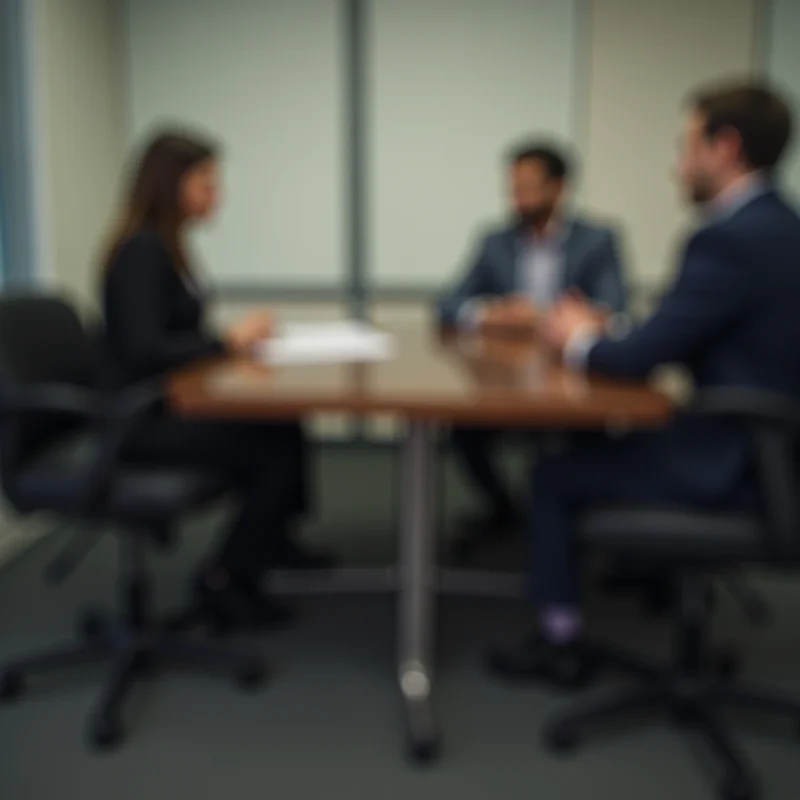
<point>478,529</point>
<point>566,666</point>
<point>237,606</point>
<point>292,555</point>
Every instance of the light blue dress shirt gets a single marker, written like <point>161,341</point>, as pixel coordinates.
<point>541,273</point>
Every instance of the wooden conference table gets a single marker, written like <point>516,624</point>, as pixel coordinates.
<point>432,381</point>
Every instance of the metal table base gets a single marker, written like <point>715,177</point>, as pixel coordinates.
<point>417,581</point>
<point>416,597</point>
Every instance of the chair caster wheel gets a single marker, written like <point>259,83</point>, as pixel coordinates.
<point>106,732</point>
<point>251,676</point>
<point>147,665</point>
<point>92,625</point>
<point>738,788</point>
<point>11,685</point>
<point>562,738</point>
<point>423,751</point>
<point>684,714</point>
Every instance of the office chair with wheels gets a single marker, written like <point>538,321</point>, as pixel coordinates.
<point>698,545</point>
<point>61,445</point>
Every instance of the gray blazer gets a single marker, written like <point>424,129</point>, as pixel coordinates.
<point>591,264</point>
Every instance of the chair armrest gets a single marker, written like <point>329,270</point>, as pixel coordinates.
<point>774,420</point>
<point>118,420</point>
<point>756,405</point>
<point>51,400</point>
<point>129,406</point>
<point>115,418</point>
<point>55,399</point>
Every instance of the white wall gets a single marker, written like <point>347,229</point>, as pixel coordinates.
<point>452,84</point>
<point>72,80</point>
<point>783,64</point>
<point>645,56</point>
<point>80,135</point>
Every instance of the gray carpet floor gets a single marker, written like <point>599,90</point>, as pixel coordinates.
<point>329,725</point>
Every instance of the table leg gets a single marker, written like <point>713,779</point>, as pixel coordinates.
<point>416,591</point>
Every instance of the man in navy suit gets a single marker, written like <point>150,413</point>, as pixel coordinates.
<point>732,317</point>
<point>518,272</point>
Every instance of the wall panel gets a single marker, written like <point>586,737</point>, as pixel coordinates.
<point>644,56</point>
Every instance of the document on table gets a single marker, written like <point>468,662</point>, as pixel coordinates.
<point>326,342</point>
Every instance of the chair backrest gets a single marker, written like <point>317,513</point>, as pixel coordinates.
<point>777,447</point>
<point>42,341</point>
<point>774,421</point>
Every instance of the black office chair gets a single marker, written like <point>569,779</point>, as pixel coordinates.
<point>698,545</point>
<point>61,443</point>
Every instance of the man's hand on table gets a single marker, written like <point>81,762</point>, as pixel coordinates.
<point>570,317</point>
<point>508,315</point>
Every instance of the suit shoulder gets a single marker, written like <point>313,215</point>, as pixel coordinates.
<point>712,237</point>
<point>760,221</point>
<point>493,236</point>
<point>593,229</point>
<point>140,257</point>
<point>723,247</point>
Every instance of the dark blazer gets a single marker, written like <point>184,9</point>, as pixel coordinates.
<point>591,264</point>
<point>733,318</point>
<point>153,317</point>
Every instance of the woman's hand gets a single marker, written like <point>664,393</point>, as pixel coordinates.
<point>245,334</point>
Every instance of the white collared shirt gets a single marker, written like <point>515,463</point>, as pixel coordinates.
<point>542,262</point>
<point>736,196</point>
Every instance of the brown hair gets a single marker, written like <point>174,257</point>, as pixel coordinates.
<point>760,117</point>
<point>153,197</point>
<point>549,155</point>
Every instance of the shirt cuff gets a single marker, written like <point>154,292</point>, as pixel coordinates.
<point>578,347</point>
<point>468,314</point>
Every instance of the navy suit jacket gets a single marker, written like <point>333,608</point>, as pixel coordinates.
<point>591,264</point>
<point>733,318</point>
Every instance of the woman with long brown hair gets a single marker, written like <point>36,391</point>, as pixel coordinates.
<point>154,309</point>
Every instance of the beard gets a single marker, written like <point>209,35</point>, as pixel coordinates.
<point>701,191</point>
<point>534,217</point>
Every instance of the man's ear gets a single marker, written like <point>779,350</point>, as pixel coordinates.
<point>731,140</point>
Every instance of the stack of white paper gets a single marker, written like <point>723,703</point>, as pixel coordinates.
<point>324,342</point>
